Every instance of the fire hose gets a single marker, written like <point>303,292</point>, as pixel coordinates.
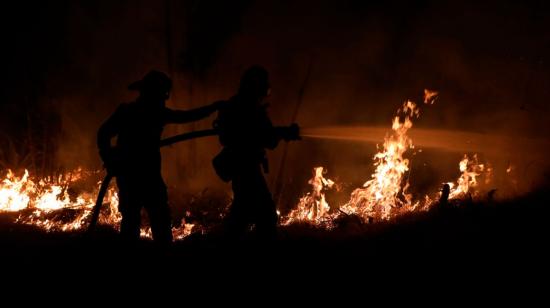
<point>107,180</point>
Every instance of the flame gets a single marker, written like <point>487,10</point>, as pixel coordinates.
<point>471,169</point>
<point>48,204</point>
<point>430,96</point>
<point>10,197</point>
<point>313,207</point>
<point>37,201</point>
<point>387,187</point>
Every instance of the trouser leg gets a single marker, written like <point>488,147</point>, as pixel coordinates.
<point>266,213</point>
<point>159,214</point>
<point>131,221</point>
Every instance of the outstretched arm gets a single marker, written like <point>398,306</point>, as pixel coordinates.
<point>278,133</point>
<point>185,116</point>
<point>288,133</point>
<point>273,134</point>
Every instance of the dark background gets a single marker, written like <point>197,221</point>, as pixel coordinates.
<point>66,65</point>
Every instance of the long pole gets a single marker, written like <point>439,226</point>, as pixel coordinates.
<point>279,181</point>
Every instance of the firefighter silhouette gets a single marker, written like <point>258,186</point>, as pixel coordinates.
<point>136,159</point>
<point>245,132</point>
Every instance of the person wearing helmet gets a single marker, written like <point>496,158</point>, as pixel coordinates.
<point>136,159</point>
<point>245,132</point>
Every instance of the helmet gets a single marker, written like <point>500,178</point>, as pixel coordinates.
<point>255,81</point>
<point>153,81</point>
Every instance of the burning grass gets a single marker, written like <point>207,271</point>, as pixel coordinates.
<point>385,195</point>
<point>64,203</point>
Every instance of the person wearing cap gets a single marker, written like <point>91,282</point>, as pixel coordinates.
<point>245,132</point>
<point>136,159</point>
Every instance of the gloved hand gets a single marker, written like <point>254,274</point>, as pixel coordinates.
<point>291,132</point>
